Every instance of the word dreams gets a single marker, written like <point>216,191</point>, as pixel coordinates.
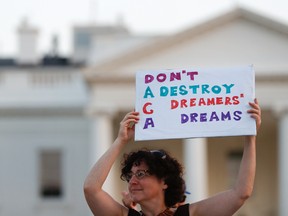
<point>202,117</point>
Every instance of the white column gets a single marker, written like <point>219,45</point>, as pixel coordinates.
<point>195,154</point>
<point>101,140</point>
<point>283,164</point>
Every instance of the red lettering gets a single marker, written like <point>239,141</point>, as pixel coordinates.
<point>210,101</point>
<point>174,104</point>
<point>192,102</point>
<point>145,108</point>
<point>183,103</point>
<point>227,101</point>
<point>235,100</point>
<point>219,100</point>
<point>202,102</point>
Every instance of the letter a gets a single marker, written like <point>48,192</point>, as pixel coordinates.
<point>149,121</point>
<point>148,92</point>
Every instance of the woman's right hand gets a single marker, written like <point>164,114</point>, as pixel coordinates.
<point>127,126</point>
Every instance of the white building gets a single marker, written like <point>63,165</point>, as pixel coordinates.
<point>44,133</point>
<point>238,37</point>
<point>44,141</point>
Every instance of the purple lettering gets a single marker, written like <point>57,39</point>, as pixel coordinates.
<point>148,78</point>
<point>225,116</point>
<point>174,76</point>
<point>214,117</point>
<point>161,77</point>
<point>203,117</point>
<point>184,118</point>
<point>192,74</point>
<point>193,117</point>
<point>148,122</point>
<point>237,116</point>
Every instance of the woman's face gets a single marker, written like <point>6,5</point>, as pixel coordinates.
<point>148,187</point>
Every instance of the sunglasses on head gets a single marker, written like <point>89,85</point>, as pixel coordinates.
<point>158,153</point>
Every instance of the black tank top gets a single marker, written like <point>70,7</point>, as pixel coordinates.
<point>182,210</point>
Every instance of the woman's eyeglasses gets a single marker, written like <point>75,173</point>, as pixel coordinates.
<point>139,174</point>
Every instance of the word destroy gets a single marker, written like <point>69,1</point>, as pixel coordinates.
<point>173,91</point>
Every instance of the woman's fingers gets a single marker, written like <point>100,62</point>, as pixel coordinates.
<point>130,119</point>
<point>255,112</point>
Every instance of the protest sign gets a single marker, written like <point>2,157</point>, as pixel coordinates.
<point>194,102</point>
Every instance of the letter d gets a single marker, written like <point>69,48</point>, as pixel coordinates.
<point>174,104</point>
<point>184,118</point>
<point>148,78</point>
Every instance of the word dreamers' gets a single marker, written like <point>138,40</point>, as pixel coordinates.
<point>192,102</point>
<point>211,101</point>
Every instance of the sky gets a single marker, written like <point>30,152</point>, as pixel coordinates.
<point>149,17</point>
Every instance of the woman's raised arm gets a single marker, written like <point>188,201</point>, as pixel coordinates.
<point>228,202</point>
<point>100,202</point>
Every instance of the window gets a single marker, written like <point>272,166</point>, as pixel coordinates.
<point>50,166</point>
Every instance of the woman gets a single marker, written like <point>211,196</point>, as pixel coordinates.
<point>150,189</point>
<point>166,182</point>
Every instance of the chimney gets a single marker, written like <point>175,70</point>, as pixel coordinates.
<point>27,44</point>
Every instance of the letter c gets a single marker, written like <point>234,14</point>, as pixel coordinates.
<point>145,108</point>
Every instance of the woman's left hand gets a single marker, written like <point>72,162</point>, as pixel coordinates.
<point>255,113</point>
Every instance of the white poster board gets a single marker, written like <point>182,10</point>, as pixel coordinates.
<point>194,102</point>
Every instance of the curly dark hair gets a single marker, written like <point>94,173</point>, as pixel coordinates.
<point>161,165</point>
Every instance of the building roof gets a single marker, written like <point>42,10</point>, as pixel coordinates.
<point>114,67</point>
<point>42,89</point>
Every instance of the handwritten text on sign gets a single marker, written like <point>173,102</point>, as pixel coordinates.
<point>194,102</point>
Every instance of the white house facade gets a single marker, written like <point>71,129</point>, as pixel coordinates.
<point>44,143</point>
